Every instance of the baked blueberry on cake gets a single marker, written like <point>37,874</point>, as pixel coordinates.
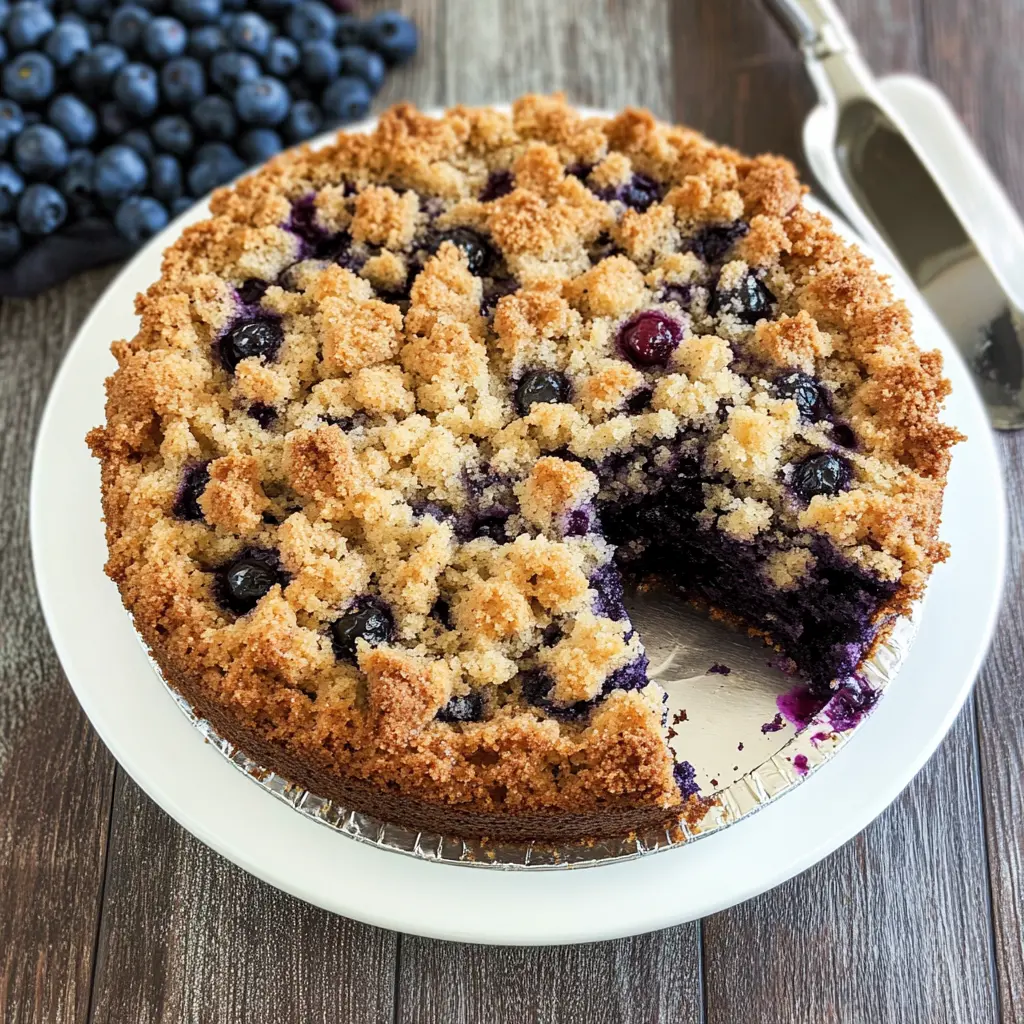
<point>405,414</point>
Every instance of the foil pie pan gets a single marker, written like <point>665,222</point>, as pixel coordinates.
<point>747,728</point>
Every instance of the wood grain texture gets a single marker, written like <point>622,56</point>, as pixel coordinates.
<point>972,52</point>
<point>893,927</point>
<point>187,936</point>
<point>56,777</point>
<point>648,978</point>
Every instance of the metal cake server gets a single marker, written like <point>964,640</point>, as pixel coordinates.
<point>882,177</point>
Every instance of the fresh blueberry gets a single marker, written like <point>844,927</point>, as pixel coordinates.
<point>179,206</point>
<point>250,33</point>
<point>75,183</point>
<point>12,120</point>
<point>809,394</point>
<point>73,119</point>
<point>140,217</point>
<point>165,178</point>
<point>303,121</point>
<point>193,482</point>
<point>93,73</point>
<point>172,134</point>
<point>282,57</point>
<point>182,81</point>
<point>10,243</point>
<point>264,101</point>
<point>230,69</point>
<point>821,474</point>
<point>358,62</point>
<point>40,152</point>
<point>5,13</point>
<point>164,38</point>
<point>66,43</point>
<point>126,25</point>
<point>29,78</point>
<point>95,30</point>
<point>41,210</point>
<point>118,173</point>
<point>234,5</point>
<point>115,121</point>
<point>320,60</point>
<point>139,140</point>
<point>215,118</point>
<point>465,708</point>
<point>248,577</point>
<point>3,49</point>
<point>348,30</point>
<point>197,12</point>
<point>367,620</point>
<point>259,338</point>
<point>11,186</point>
<point>309,20</point>
<point>750,302</point>
<point>650,338</point>
<point>346,99</point>
<point>218,152</point>
<point>205,41</point>
<point>259,144</point>
<point>541,386</point>
<point>28,25</point>
<point>479,252</point>
<point>137,89</point>
<point>392,35</point>
<point>499,183</point>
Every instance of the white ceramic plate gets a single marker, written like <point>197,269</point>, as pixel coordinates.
<point>138,721</point>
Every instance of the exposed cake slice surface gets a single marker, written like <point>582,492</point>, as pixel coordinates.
<point>407,412</point>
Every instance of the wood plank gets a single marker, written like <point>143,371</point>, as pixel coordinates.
<point>56,777</point>
<point>1000,708</point>
<point>648,978</point>
<point>972,52</point>
<point>608,55</point>
<point>215,944</point>
<point>894,927</point>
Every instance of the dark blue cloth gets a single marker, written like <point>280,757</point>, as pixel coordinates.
<point>60,256</point>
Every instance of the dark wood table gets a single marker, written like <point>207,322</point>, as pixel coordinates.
<point>109,912</point>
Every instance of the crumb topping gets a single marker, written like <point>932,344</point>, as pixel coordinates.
<point>473,333</point>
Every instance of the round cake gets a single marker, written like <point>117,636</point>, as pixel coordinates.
<point>408,411</point>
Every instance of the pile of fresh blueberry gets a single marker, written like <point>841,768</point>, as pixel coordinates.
<point>125,113</point>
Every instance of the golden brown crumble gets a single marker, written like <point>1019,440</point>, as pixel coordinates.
<point>366,454</point>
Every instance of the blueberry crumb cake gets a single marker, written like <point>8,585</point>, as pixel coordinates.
<point>408,411</point>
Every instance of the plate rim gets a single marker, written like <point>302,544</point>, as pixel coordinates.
<point>226,834</point>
